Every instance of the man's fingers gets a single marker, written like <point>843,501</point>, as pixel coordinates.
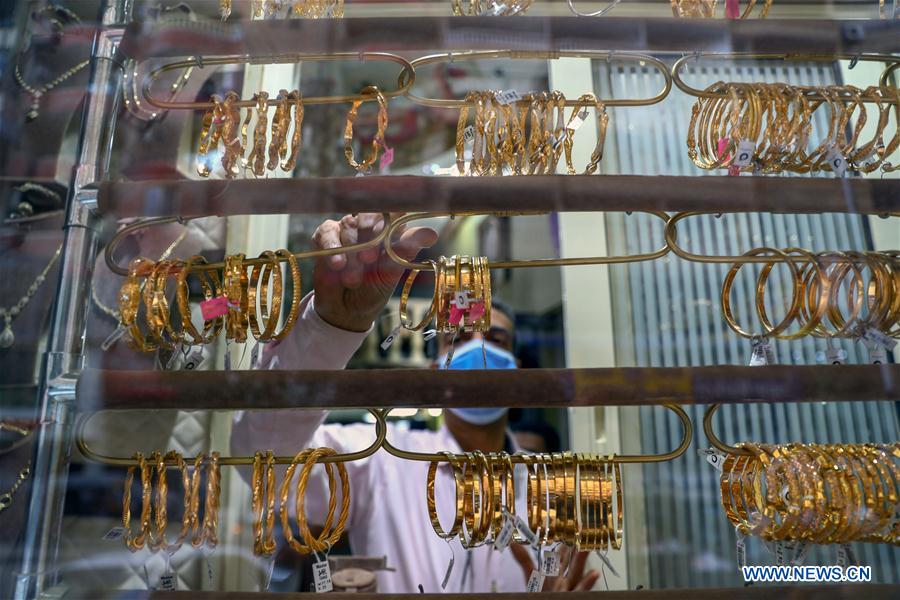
<point>352,275</point>
<point>326,237</point>
<point>407,247</point>
<point>523,557</point>
<point>369,226</point>
<point>587,582</point>
<point>576,569</point>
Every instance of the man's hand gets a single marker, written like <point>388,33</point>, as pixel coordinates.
<point>577,580</point>
<point>351,289</point>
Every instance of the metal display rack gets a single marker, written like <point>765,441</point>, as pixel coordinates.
<point>67,388</point>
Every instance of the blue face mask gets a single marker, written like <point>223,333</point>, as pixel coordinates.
<point>479,416</point>
<point>470,356</point>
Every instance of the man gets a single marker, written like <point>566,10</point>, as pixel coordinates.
<point>388,515</point>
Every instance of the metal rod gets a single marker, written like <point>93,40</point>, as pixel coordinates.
<point>886,74</point>
<point>544,55</point>
<point>517,264</point>
<point>810,91</point>
<point>122,461</point>
<point>686,425</point>
<point>109,252</point>
<point>714,439</point>
<point>200,62</point>
<point>65,346</point>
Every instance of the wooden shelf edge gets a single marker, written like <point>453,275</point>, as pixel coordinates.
<point>759,592</point>
<point>144,40</point>
<point>426,388</point>
<point>558,193</point>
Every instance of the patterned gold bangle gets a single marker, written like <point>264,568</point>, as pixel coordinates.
<point>459,500</point>
<point>234,149</point>
<point>296,293</point>
<point>297,137</point>
<point>258,296</point>
<point>235,284</point>
<point>377,141</point>
<point>136,542</point>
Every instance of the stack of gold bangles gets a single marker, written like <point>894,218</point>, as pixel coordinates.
<point>462,296</point>
<point>237,301</point>
<point>152,531</point>
<point>475,8</point>
<point>707,8</point>
<point>824,494</point>
<point>767,128</point>
<point>834,294</point>
<point>524,136</point>
<point>574,499</point>
<point>308,9</point>
<point>269,144</point>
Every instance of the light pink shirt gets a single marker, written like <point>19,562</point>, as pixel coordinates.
<point>388,515</point>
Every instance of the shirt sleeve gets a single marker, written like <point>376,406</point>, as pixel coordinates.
<point>312,344</point>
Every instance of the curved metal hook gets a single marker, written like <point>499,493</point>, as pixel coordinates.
<point>517,264</point>
<point>596,13</point>
<point>542,55</point>
<point>697,93</point>
<point>714,439</point>
<point>119,461</point>
<point>686,424</point>
<point>130,229</point>
<point>886,75</point>
<point>408,72</point>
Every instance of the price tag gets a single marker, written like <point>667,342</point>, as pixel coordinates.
<point>762,353</point>
<point>270,570</point>
<point>845,556</point>
<point>386,159</point>
<point>430,334</point>
<point>835,356</point>
<point>389,340</point>
<point>837,161</point>
<point>877,337</point>
<point>449,568</point>
<point>112,338</point>
<point>744,155</point>
<point>214,308</point>
<point>741,549</point>
<point>578,121</point>
<point>461,299</point>
<point>507,97</point>
<point>607,563</point>
<point>550,563</point>
<point>800,553</point>
<point>170,364</point>
<point>732,10</point>
<point>780,553</point>
<point>114,534</point>
<point>525,531</point>
<point>469,134</point>
<point>168,582</point>
<point>254,355</point>
<point>713,457</point>
<point>504,536</point>
<point>322,576</point>
<point>535,582</point>
<point>227,356</point>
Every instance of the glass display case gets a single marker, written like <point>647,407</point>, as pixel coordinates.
<point>432,297</point>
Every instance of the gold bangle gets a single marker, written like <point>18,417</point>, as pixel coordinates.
<point>258,296</point>
<point>234,150</point>
<point>377,141</point>
<point>235,285</point>
<point>263,503</point>
<point>328,537</point>
<point>257,157</point>
<point>296,293</point>
<point>297,136</point>
<point>136,542</point>
<point>459,491</point>
<point>405,321</point>
<point>210,528</point>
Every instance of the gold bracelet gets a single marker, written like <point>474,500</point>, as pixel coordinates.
<point>258,294</point>
<point>459,491</point>
<point>377,141</point>
<point>136,542</point>
<point>234,149</point>
<point>297,137</point>
<point>235,284</point>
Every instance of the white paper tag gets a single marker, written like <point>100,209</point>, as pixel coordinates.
<point>461,299</point>
<point>469,134</point>
<point>168,582</point>
<point>877,353</point>
<point>114,534</point>
<point>449,570</point>
<point>535,582</point>
<point>780,553</point>
<point>173,358</point>
<point>227,356</point>
<point>504,536</point>
<point>322,576</point>
<point>762,353</point>
<point>607,563</point>
<point>578,121</point>
<point>800,553</point>
<point>274,362</point>
<point>507,97</point>
<point>845,556</point>
<point>389,340</point>
<point>270,570</point>
<point>837,161</point>
<point>744,154</point>
<point>112,338</point>
<point>878,337</point>
<point>430,334</point>
<point>835,356</point>
<point>254,355</point>
<point>525,531</point>
<point>741,550</point>
<point>195,358</point>
<point>713,457</point>
<point>550,563</point>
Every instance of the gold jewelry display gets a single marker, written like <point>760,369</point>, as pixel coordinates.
<point>306,9</point>
<point>507,8</point>
<point>7,497</point>
<point>707,9</point>
<point>263,503</point>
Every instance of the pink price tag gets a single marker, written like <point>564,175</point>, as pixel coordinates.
<point>214,308</point>
<point>386,159</point>
<point>732,10</point>
<point>456,315</point>
<point>734,171</point>
<point>476,311</point>
<point>722,147</point>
